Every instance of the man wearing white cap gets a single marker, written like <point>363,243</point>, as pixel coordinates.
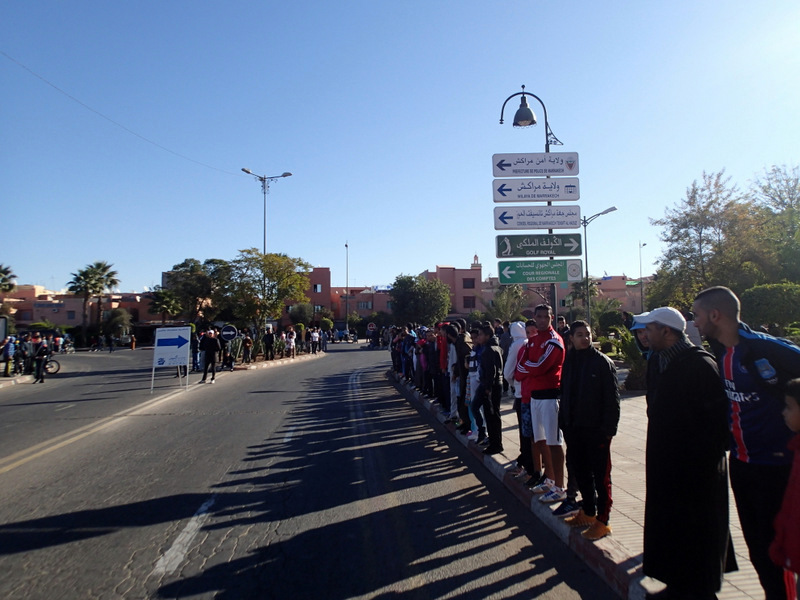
<point>686,535</point>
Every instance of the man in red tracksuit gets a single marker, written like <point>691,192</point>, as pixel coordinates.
<point>539,370</point>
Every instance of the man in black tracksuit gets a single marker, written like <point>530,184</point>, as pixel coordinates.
<point>490,387</point>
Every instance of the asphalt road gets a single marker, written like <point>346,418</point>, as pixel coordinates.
<point>309,480</point>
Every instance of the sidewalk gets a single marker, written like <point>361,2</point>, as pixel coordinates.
<point>618,557</point>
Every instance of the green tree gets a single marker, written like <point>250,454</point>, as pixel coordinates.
<point>261,284</point>
<point>709,241</point>
<point>507,303</point>
<point>163,302</point>
<point>605,313</point>
<point>84,283</point>
<point>118,322</point>
<point>192,286</point>
<point>772,304</point>
<point>420,300</point>
<point>302,312</point>
<point>353,319</point>
<point>7,278</point>
<point>106,279</point>
<point>476,316</point>
<point>578,295</point>
<point>778,191</point>
<point>325,324</point>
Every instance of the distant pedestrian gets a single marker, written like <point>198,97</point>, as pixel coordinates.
<point>210,347</point>
<point>290,341</point>
<point>40,355</point>
<point>687,542</point>
<point>269,344</point>
<point>247,348</point>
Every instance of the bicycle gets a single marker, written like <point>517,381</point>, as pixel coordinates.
<point>52,366</point>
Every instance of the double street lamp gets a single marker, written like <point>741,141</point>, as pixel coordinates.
<point>585,222</point>
<point>265,180</point>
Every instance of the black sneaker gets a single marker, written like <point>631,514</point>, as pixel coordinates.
<point>489,450</point>
<point>535,480</point>
<point>569,507</point>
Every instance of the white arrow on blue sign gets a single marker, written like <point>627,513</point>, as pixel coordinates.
<point>565,216</point>
<point>539,189</point>
<point>172,349</point>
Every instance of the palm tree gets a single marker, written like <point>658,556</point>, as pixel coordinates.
<point>84,283</point>
<point>7,278</point>
<point>106,279</point>
<point>163,302</point>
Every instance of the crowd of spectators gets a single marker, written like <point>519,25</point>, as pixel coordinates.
<point>702,406</point>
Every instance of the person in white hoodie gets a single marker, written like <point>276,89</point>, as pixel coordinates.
<point>518,339</point>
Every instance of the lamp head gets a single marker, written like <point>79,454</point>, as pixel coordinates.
<point>246,170</point>
<point>286,174</point>
<point>524,116</point>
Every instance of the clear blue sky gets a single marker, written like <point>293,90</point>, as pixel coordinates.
<point>386,114</point>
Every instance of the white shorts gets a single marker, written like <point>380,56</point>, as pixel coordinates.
<point>544,420</point>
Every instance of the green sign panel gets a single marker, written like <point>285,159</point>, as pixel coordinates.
<point>540,271</point>
<point>555,244</point>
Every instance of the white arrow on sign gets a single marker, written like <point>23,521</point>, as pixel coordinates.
<point>538,217</point>
<point>536,189</point>
<point>537,164</point>
<point>507,272</point>
<point>572,244</point>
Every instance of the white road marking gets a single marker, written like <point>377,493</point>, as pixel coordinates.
<point>173,557</point>
<point>289,435</point>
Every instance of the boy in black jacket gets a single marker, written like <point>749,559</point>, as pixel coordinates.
<point>490,387</point>
<point>588,416</point>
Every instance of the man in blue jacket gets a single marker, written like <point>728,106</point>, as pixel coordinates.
<point>754,368</point>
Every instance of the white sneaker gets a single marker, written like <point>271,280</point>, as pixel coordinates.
<point>473,435</point>
<point>544,487</point>
<point>212,381</point>
<point>554,495</point>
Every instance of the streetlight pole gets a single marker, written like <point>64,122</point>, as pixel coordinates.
<point>347,289</point>
<point>641,281</point>
<point>524,117</point>
<point>265,180</point>
<point>585,222</point>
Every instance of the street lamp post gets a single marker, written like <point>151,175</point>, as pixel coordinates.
<point>347,289</point>
<point>585,222</point>
<point>524,117</point>
<point>265,180</point>
<point>641,281</point>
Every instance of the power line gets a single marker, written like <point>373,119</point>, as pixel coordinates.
<point>110,120</point>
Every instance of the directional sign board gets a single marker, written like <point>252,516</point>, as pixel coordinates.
<point>555,244</point>
<point>566,216</point>
<point>536,164</point>
<point>172,346</point>
<point>540,271</point>
<point>228,333</point>
<point>536,190</point>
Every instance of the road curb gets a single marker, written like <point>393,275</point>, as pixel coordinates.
<point>610,560</point>
<point>9,381</point>
<point>265,364</point>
